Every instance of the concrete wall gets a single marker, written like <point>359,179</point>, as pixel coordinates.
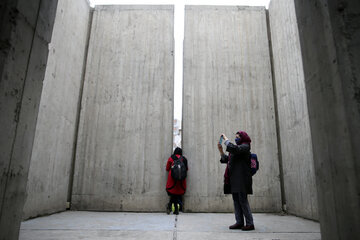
<point>126,123</point>
<point>52,152</point>
<point>228,87</point>
<point>294,129</point>
<point>25,33</point>
<point>329,38</point>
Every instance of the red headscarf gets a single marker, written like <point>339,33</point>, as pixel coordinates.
<point>244,137</point>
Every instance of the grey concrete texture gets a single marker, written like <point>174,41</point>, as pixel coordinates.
<point>51,157</point>
<point>115,225</point>
<point>294,128</point>
<point>329,39</point>
<point>26,29</point>
<point>228,87</point>
<point>126,122</point>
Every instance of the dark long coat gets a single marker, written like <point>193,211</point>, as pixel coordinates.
<point>239,167</point>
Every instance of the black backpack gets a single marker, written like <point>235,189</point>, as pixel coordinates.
<point>178,169</point>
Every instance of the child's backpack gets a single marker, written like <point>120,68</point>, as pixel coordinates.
<point>178,169</point>
<point>254,164</point>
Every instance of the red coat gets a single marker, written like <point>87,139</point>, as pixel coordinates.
<point>172,186</point>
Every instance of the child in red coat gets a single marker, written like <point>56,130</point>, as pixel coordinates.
<point>175,188</point>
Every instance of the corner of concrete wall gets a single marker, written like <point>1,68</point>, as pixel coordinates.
<point>291,101</point>
<point>51,159</point>
<point>329,38</point>
<point>26,29</point>
<point>79,104</point>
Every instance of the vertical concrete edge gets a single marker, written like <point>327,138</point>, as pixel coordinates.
<point>76,132</point>
<point>26,111</point>
<point>278,137</point>
<point>19,110</point>
<point>336,181</point>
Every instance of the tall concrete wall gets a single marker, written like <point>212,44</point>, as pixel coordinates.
<point>329,38</point>
<point>294,129</point>
<point>25,32</point>
<point>52,152</point>
<point>228,87</point>
<point>126,123</point>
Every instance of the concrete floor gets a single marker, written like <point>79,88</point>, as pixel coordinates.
<point>155,226</point>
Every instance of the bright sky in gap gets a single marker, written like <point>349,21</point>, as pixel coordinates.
<point>179,31</point>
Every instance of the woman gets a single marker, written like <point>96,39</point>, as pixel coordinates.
<point>239,176</point>
<point>175,188</point>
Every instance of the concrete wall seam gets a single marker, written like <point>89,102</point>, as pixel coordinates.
<point>72,171</point>
<point>281,170</point>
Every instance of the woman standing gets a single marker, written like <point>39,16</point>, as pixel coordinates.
<point>238,174</point>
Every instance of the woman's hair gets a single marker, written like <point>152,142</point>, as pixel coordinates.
<point>178,151</point>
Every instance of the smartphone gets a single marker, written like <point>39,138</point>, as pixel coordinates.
<point>221,138</point>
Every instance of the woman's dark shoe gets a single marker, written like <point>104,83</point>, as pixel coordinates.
<point>248,228</point>
<point>236,226</point>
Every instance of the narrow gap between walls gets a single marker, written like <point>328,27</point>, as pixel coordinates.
<point>178,73</point>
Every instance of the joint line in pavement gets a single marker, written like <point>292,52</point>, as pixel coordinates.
<point>175,228</point>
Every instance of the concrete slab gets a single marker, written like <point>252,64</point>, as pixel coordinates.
<point>127,99</point>
<point>51,154</point>
<point>219,222</point>
<point>293,116</point>
<point>115,225</point>
<point>25,33</point>
<point>75,220</point>
<point>96,234</point>
<point>228,87</point>
<point>329,44</point>
<point>248,236</point>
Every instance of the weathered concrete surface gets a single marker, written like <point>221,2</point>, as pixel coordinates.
<point>228,87</point>
<point>49,172</point>
<point>125,134</point>
<point>294,129</point>
<point>26,28</point>
<point>97,225</point>
<point>329,38</point>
